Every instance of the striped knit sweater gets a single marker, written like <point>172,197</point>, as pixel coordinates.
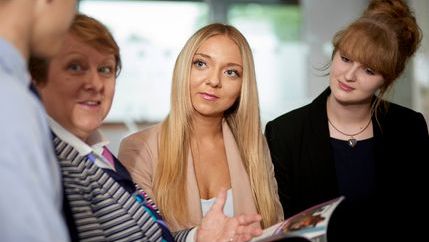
<point>103,210</point>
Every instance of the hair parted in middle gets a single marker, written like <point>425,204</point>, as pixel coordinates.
<point>243,118</point>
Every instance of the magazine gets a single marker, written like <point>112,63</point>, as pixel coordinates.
<point>311,224</point>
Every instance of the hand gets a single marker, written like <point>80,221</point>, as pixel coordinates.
<point>216,227</point>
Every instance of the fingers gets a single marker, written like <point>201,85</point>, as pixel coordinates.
<point>248,219</point>
<point>244,233</point>
<point>216,226</point>
<point>243,228</point>
<point>244,237</point>
<point>249,230</point>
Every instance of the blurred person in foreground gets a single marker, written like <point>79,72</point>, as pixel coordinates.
<point>31,200</point>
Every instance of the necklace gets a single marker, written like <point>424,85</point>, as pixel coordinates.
<point>351,141</point>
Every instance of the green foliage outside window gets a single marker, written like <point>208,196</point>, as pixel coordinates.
<point>286,20</point>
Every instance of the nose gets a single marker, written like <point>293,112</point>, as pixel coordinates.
<point>350,74</point>
<point>94,81</point>
<point>214,79</point>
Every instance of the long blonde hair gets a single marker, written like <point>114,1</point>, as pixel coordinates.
<point>243,119</point>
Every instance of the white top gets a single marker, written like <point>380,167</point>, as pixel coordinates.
<point>228,209</point>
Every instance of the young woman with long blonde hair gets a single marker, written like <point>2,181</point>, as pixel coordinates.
<point>212,137</point>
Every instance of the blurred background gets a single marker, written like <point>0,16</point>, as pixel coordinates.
<point>290,40</point>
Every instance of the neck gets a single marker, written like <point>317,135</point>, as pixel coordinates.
<point>16,18</point>
<point>348,114</point>
<point>206,127</point>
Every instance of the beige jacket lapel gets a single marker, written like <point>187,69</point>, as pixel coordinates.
<point>240,183</point>
<point>194,202</point>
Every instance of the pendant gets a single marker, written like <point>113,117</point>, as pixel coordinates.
<point>352,142</point>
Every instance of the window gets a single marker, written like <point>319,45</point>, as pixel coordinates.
<point>151,34</point>
<point>274,33</point>
<point>150,42</point>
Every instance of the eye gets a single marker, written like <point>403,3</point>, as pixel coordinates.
<point>232,73</point>
<point>369,71</point>
<point>199,64</point>
<point>74,67</point>
<point>106,70</point>
<point>345,59</point>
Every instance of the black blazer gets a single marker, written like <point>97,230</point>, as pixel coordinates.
<point>299,143</point>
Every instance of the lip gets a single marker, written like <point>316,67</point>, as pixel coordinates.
<point>208,96</point>
<point>345,87</point>
<point>90,104</point>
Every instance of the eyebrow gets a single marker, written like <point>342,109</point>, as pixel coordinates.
<point>79,55</point>
<point>227,64</point>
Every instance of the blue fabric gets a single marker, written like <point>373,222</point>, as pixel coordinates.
<point>143,200</point>
<point>30,183</point>
<point>121,176</point>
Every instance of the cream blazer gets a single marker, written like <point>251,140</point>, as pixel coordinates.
<point>139,153</point>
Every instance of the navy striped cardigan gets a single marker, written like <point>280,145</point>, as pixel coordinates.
<point>101,209</point>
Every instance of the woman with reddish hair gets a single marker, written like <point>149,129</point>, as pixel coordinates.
<point>350,141</point>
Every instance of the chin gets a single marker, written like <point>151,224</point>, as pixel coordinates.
<point>340,94</point>
<point>210,114</point>
<point>88,126</point>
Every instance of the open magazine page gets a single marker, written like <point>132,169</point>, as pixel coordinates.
<point>311,224</point>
